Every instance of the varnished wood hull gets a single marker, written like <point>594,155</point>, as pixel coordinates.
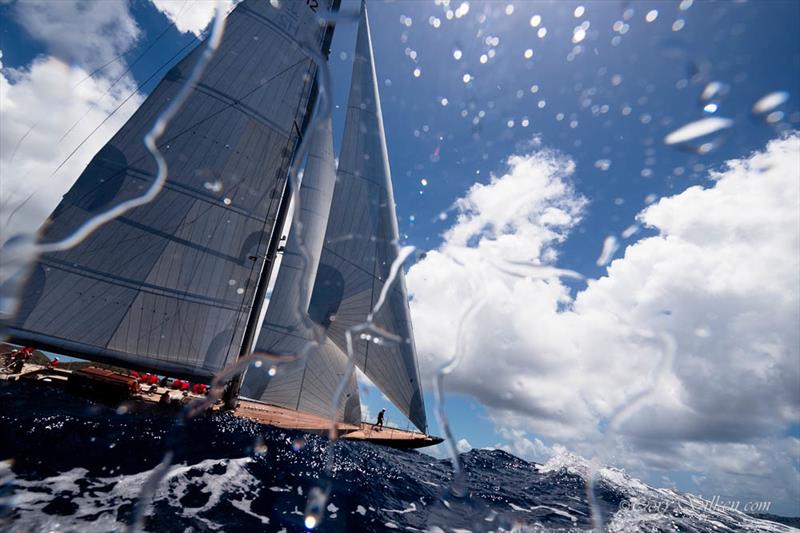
<point>258,412</point>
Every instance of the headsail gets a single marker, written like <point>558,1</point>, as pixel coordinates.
<point>360,247</point>
<point>169,285</point>
<point>309,384</point>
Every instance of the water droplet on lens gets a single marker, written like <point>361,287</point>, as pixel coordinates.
<point>610,246</point>
<point>260,447</point>
<point>630,231</point>
<point>774,117</point>
<point>315,507</point>
<point>702,332</point>
<point>698,128</point>
<point>213,186</point>
<point>768,102</point>
<point>602,164</point>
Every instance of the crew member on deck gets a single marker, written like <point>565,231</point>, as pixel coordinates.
<point>379,423</point>
<point>21,357</point>
<point>164,400</point>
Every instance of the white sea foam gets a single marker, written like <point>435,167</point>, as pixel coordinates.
<point>96,504</point>
<point>648,509</point>
<point>410,509</point>
<point>558,511</point>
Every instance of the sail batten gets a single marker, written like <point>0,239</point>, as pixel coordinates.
<point>169,286</point>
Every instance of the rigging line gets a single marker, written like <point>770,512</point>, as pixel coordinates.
<point>201,121</point>
<point>28,198</point>
<point>127,70</point>
<point>192,126</point>
<point>11,216</point>
<point>108,90</point>
<point>114,111</point>
<point>120,56</point>
<point>289,161</point>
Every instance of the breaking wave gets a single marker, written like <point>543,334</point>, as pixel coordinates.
<point>76,466</point>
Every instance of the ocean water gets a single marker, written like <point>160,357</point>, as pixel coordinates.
<point>73,465</point>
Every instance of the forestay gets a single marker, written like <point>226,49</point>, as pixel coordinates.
<point>169,285</point>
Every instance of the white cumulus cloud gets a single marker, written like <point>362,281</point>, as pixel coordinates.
<point>718,283</point>
<point>47,110</point>
<point>82,32</point>
<point>191,16</point>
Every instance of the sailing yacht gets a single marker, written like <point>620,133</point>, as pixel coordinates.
<point>177,286</point>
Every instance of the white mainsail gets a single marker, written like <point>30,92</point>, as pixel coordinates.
<point>361,246</point>
<point>170,285</point>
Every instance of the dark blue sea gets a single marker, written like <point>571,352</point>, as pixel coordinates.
<point>73,465</point>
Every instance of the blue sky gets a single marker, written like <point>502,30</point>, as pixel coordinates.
<point>604,96</point>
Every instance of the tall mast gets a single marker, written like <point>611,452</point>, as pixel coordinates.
<point>253,321</point>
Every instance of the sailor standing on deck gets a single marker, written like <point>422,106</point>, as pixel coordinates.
<point>379,423</point>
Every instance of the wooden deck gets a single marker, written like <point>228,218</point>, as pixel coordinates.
<point>258,412</point>
<point>289,419</point>
<point>394,437</point>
